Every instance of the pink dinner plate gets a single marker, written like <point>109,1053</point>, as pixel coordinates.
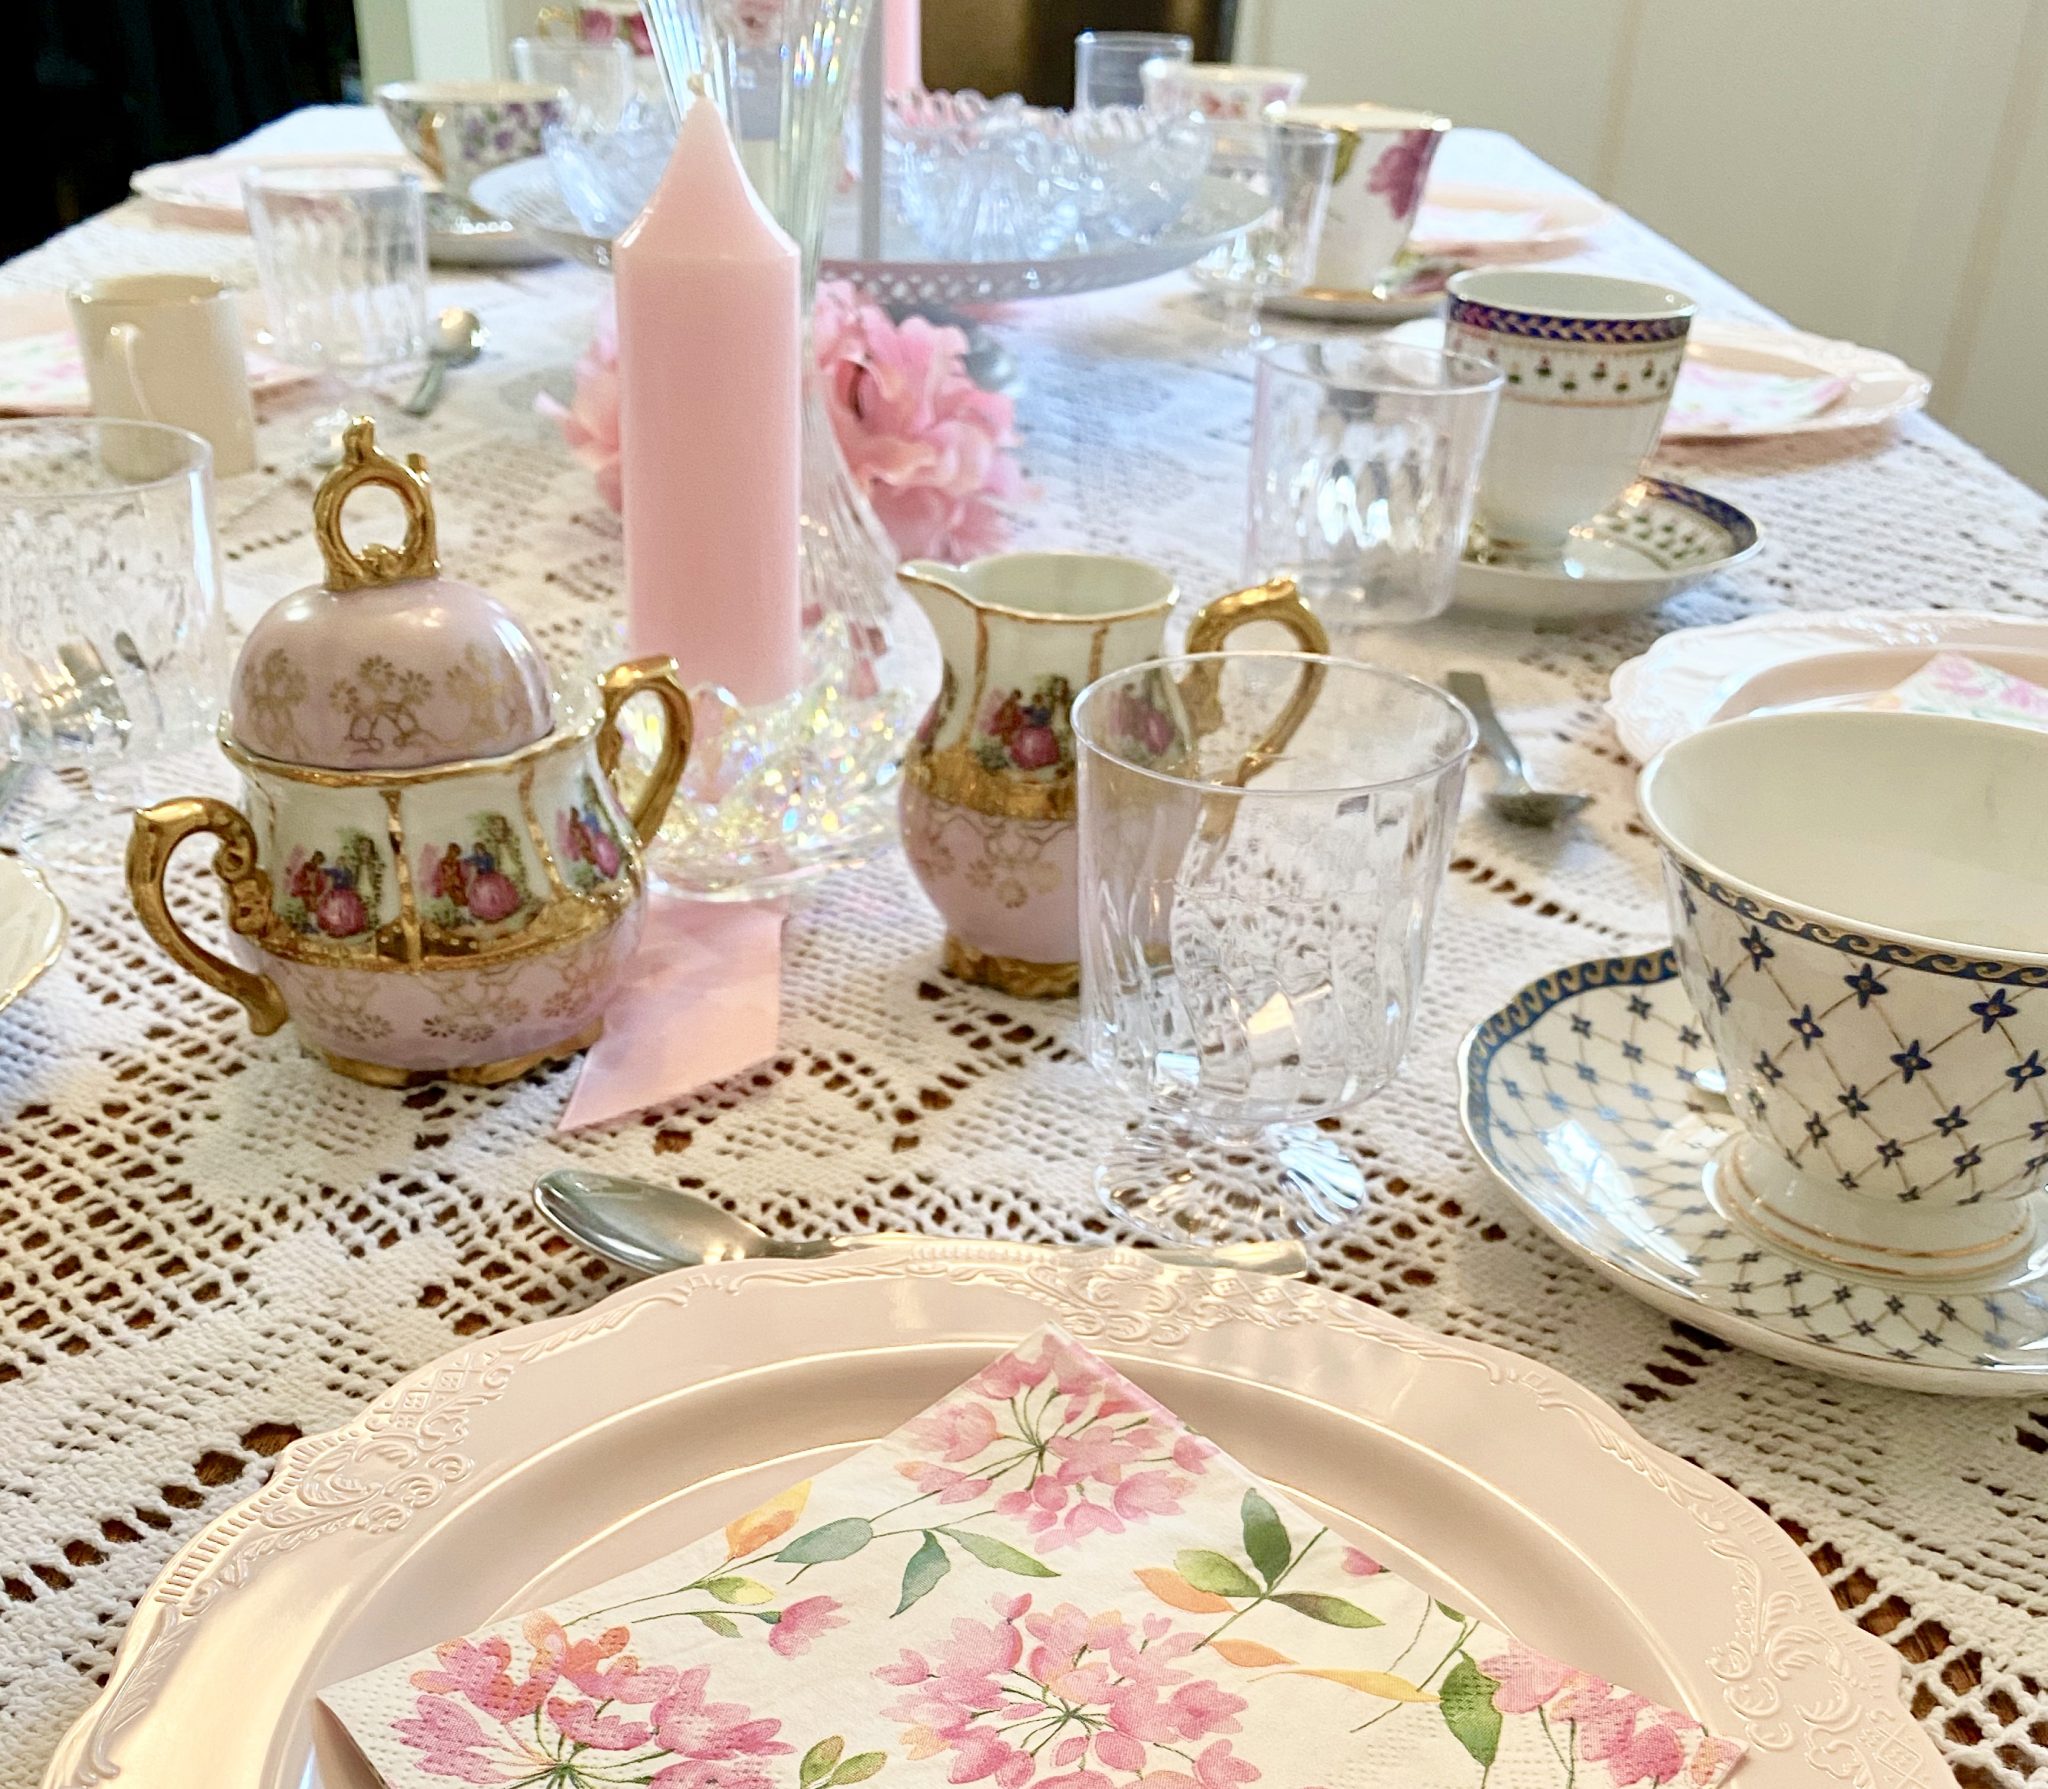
<point>554,1456</point>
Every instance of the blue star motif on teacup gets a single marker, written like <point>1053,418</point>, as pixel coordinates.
<point>1807,1026</point>
<point>1865,985</point>
<point>2032,1069</point>
<point>1951,1121</point>
<point>1970,1158</point>
<point>1853,1102</point>
<point>1890,1150</point>
<point>1910,1062</point>
<point>1753,942</point>
<point>1717,985</point>
<point>1767,1068</point>
<point>1816,1128</point>
<point>1993,1007</point>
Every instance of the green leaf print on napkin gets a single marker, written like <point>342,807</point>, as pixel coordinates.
<point>1469,1711</point>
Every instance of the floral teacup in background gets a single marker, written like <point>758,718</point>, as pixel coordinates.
<point>1383,158</point>
<point>1857,903</point>
<point>1221,92</point>
<point>988,788</point>
<point>461,129</point>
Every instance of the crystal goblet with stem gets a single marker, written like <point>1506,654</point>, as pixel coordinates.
<point>1365,465</point>
<point>112,642</point>
<point>341,254</point>
<point>1290,164</point>
<point>1263,836</point>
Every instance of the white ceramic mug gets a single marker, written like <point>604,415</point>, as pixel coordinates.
<point>1857,901</point>
<point>167,347</point>
<point>1589,364</point>
<point>1383,157</point>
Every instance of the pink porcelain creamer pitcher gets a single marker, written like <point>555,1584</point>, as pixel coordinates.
<point>988,789</point>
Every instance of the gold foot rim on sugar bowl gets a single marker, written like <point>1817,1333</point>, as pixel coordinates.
<point>475,1074</point>
<point>1010,975</point>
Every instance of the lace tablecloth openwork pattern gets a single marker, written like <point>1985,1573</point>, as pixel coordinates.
<point>209,1244</point>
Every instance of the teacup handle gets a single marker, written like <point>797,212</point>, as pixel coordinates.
<point>1275,600</point>
<point>658,678</point>
<point>159,831</point>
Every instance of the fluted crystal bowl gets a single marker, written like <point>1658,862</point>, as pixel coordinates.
<point>994,180</point>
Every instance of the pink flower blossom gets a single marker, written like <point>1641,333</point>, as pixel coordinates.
<point>481,1673</point>
<point>1219,1768</point>
<point>1360,1564</point>
<point>957,1431</point>
<point>449,1740</point>
<point>581,1722</point>
<point>929,447</point>
<point>693,1728</point>
<point>803,1622</point>
<point>1528,1679</point>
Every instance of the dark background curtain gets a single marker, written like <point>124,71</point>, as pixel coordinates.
<point>97,88</point>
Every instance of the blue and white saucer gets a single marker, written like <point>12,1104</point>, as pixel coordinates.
<point>1595,1096</point>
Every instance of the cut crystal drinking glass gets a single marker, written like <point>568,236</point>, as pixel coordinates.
<point>1262,839</point>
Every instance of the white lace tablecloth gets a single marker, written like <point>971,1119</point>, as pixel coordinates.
<point>209,1244</point>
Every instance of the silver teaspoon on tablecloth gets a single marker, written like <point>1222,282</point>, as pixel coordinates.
<point>458,339</point>
<point>646,1228</point>
<point>1513,796</point>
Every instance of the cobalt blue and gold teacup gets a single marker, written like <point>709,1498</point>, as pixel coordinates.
<point>1860,902</point>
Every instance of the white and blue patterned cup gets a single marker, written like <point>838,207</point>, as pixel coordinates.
<point>1861,908</point>
<point>1589,364</point>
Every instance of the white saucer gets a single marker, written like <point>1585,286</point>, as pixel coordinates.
<point>1658,539</point>
<point>1593,1095</point>
<point>206,190</point>
<point>1503,223</point>
<point>1787,660</point>
<point>1415,291</point>
<point>32,928</point>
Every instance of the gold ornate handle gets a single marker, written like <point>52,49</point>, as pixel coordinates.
<point>1275,600</point>
<point>363,464</point>
<point>658,678</point>
<point>158,833</point>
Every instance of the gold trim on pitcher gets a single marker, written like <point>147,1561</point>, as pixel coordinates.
<point>1010,975</point>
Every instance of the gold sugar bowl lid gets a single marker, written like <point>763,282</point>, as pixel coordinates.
<point>387,665</point>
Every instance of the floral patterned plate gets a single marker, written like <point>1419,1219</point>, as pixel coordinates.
<point>555,1456</point>
<point>1594,1095</point>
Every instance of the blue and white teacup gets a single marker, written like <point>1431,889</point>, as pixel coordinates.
<point>1589,364</point>
<point>1861,907</point>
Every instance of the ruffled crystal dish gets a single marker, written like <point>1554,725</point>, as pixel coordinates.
<point>979,179</point>
<point>525,193</point>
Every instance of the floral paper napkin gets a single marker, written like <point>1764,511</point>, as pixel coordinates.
<point>1954,683</point>
<point>1043,1582</point>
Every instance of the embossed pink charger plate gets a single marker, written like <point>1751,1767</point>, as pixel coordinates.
<point>554,1456</point>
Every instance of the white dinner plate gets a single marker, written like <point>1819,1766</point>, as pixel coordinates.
<point>206,190</point>
<point>32,928</point>
<point>1698,675</point>
<point>1503,223</point>
<point>1867,386</point>
<point>554,1456</point>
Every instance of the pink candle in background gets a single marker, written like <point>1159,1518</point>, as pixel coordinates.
<point>709,391</point>
<point>902,45</point>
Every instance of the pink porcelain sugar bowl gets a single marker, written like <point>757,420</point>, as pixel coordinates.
<point>431,873</point>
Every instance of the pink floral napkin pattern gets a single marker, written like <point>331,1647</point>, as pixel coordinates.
<point>1044,1581</point>
<point>1955,683</point>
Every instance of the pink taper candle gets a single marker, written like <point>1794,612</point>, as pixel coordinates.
<point>710,380</point>
<point>902,45</point>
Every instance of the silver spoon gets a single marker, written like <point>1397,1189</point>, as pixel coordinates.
<point>458,340</point>
<point>646,1228</point>
<point>1513,797</point>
